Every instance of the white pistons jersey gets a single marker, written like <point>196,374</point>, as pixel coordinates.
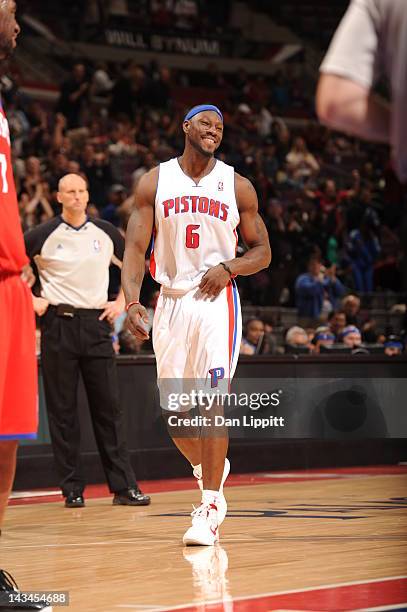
<point>195,225</point>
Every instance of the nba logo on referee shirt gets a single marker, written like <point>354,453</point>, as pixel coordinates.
<point>96,246</point>
<point>216,374</point>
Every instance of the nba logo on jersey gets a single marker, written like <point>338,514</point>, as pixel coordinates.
<point>96,246</point>
<point>216,374</point>
<point>220,186</point>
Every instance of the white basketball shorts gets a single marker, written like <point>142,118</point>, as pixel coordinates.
<point>196,342</point>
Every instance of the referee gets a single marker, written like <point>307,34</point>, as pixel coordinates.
<point>370,43</point>
<point>72,256</point>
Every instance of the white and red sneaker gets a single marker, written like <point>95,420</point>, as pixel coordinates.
<point>222,504</point>
<point>204,530</point>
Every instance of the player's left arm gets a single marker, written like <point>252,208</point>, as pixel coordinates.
<point>254,235</point>
<point>345,99</point>
<point>347,106</point>
<point>252,230</point>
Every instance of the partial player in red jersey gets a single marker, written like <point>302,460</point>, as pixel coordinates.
<point>18,372</point>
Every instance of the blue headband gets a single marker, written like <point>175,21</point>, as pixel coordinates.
<point>393,344</point>
<point>351,329</point>
<point>200,108</point>
<point>324,336</point>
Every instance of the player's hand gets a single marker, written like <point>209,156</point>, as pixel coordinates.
<point>137,319</point>
<point>214,280</point>
<point>40,305</point>
<point>27,275</point>
<point>111,311</point>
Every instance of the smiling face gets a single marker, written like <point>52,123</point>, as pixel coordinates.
<point>204,132</point>
<point>9,28</point>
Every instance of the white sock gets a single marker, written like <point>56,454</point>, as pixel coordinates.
<point>197,469</point>
<point>210,497</point>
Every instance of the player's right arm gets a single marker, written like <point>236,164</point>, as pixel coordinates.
<point>138,235</point>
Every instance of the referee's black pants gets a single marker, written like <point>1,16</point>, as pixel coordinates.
<point>69,346</point>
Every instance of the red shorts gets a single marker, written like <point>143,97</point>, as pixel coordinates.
<point>18,362</point>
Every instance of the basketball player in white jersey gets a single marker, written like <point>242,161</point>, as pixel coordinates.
<point>192,205</point>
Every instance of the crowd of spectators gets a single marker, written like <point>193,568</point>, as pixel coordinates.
<point>335,213</point>
<point>346,330</point>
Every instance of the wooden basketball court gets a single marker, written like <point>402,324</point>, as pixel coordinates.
<point>315,540</point>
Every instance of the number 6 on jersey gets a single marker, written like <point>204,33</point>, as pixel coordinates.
<point>192,237</point>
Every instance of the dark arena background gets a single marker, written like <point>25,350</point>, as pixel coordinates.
<point>317,494</point>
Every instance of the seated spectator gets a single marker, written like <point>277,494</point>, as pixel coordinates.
<point>393,346</point>
<point>323,337</point>
<point>92,211</point>
<point>337,322</point>
<point>351,336</point>
<point>296,338</point>
<point>186,14</point>
<point>315,286</point>
<point>351,308</point>
<point>301,164</point>
<point>149,162</point>
<point>270,341</point>
<point>255,341</point>
<point>367,324</point>
<point>33,176</point>
<point>311,331</point>
<point>370,332</point>
<point>328,197</point>
<point>117,195</point>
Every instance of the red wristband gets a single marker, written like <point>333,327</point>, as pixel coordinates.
<point>130,304</point>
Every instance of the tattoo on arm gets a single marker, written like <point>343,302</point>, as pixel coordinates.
<point>259,227</point>
<point>261,230</point>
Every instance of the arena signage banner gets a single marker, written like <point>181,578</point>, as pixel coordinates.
<point>185,45</point>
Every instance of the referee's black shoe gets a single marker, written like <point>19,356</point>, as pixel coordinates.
<point>9,596</point>
<point>131,497</point>
<point>74,500</point>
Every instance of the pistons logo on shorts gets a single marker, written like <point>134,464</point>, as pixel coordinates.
<point>216,375</point>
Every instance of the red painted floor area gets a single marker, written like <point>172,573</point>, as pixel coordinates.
<point>234,480</point>
<point>333,598</point>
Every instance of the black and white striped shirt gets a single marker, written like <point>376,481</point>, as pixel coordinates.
<point>73,263</point>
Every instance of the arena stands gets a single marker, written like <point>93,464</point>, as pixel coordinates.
<point>315,20</point>
<point>321,194</point>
